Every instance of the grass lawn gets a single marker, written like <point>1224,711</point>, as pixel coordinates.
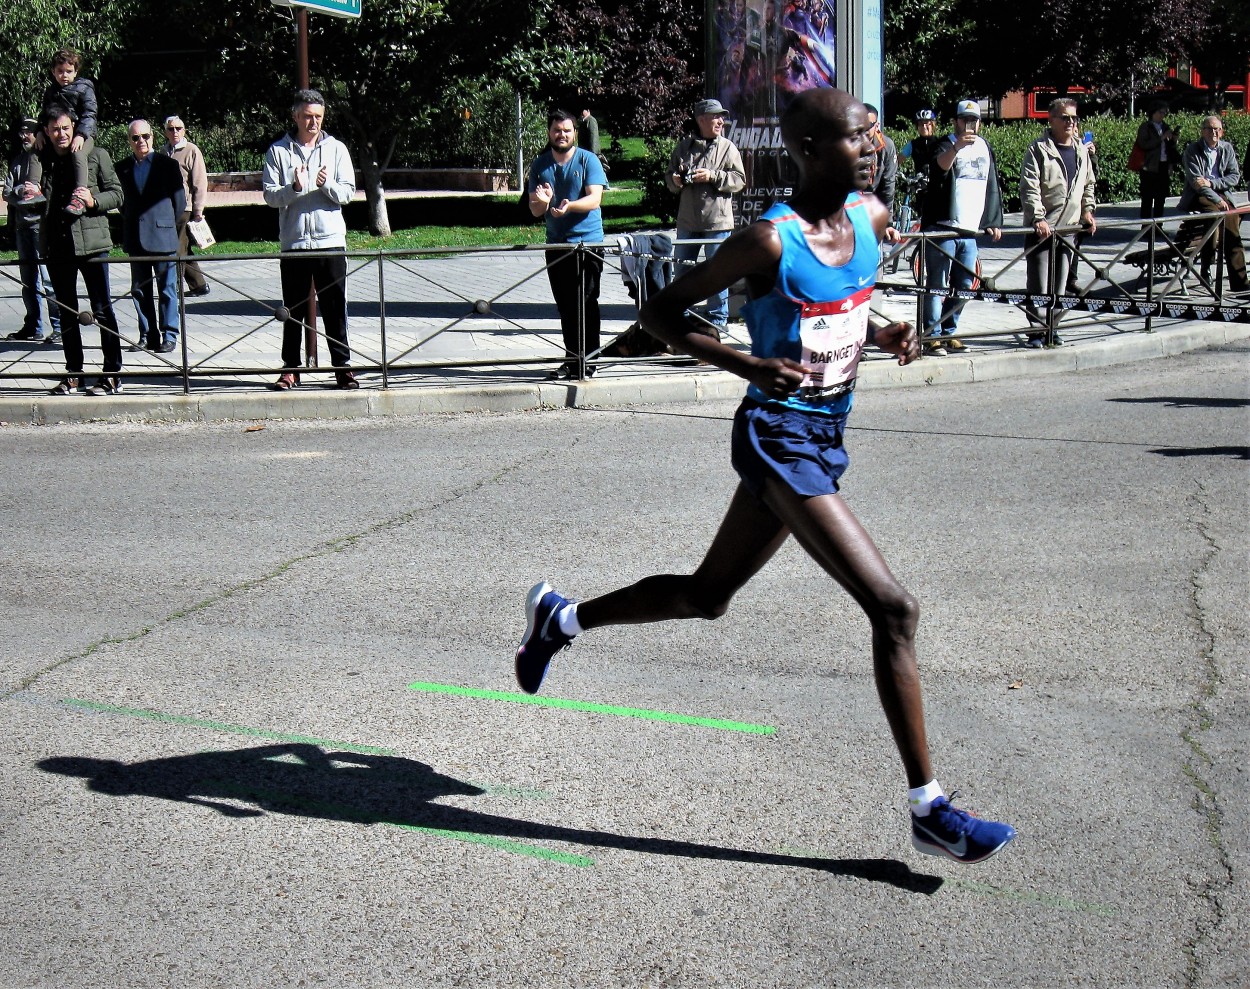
<point>443,222</point>
<point>497,226</point>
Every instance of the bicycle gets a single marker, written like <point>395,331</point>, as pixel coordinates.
<point>905,220</point>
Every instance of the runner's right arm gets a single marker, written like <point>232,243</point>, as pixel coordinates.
<point>752,253</point>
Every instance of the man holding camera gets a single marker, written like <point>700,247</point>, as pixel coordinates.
<point>963,197</point>
<point>705,170</point>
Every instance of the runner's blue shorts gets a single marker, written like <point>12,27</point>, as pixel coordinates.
<point>803,450</point>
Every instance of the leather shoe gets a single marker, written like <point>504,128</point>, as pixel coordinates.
<point>107,385</point>
<point>64,387</point>
<point>286,382</point>
<point>168,347</point>
<point>196,293</point>
<point>345,379</point>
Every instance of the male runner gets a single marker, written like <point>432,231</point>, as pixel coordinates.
<point>810,268</point>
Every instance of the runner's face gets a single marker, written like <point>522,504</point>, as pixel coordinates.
<point>844,152</point>
<point>561,135</point>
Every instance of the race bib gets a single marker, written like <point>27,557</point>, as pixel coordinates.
<point>832,335</point>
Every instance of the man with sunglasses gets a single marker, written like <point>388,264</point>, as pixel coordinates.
<point>885,161</point>
<point>1211,174</point>
<point>154,199</point>
<point>921,147</point>
<point>1056,191</point>
<point>195,186</point>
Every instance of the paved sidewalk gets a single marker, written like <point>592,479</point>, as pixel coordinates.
<point>478,331</point>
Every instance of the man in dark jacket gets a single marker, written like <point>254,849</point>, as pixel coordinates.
<point>1211,175</point>
<point>1158,144</point>
<point>75,245</point>
<point>154,202</point>
<point>963,197</point>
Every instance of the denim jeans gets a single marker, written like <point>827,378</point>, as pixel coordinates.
<point>165,275</point>
<point>948,264</point>
<point>718,304</point>
<point>35,282</point>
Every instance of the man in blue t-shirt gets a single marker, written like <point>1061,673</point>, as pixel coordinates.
<point>566,186</point>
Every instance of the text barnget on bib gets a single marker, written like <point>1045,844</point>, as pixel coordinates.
<point>832,335</point>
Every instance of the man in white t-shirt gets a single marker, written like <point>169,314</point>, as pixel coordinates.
<point>964,197</point>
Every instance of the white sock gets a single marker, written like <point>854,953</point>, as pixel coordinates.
<point>567,620</point>
<point>920,799</point>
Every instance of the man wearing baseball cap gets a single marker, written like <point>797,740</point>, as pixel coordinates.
<point>964,196</point>
<point>705,170</point>
<point>24,216</point>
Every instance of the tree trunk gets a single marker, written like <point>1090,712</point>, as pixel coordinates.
<point>375,200</point>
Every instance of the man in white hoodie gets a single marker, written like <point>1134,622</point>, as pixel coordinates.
<point>309,177</point>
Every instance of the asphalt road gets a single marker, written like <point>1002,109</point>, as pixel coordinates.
<point>215,771</point>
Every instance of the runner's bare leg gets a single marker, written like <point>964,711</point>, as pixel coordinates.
<point>831,534</point>
<point>748,537</point>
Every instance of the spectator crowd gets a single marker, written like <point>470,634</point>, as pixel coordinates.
<point>61,185</point>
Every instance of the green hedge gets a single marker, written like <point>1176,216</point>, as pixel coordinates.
<point>1113,138</point>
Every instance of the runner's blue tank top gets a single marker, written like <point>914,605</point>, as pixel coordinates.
<point>816,313</point>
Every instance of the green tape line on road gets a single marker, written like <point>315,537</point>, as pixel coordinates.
<point>569,705</point>
<point>177,719</point>
<point>502,844</point>
<point>1043,899</point>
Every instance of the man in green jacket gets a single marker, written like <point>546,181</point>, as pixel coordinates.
<point>74,245</point>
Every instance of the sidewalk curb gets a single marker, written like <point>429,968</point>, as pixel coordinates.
<point>603,392</point>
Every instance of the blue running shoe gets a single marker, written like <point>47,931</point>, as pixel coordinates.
<point>543,638</point>
<point>949,831</point>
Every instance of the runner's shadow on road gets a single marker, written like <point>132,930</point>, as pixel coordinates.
<point>306,781</point>
<point>1178,402</point>
<point>1233,452</point>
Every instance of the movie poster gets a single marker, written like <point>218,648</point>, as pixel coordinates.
<point>763,53</point>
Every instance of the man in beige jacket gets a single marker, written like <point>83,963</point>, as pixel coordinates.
<point>705,171</point>
<point>1056,191</point>
<point>195,186</point>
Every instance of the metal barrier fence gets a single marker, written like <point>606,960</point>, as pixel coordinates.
<point>1166,268</point>
<point>471,309</point>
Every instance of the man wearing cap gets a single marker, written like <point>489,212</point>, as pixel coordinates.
<point>195,187</point>
<point>1056,190</point>
<point>963,196</point>
<point>24,218</point>
<point>705,170</point>
<point>920,148</point>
